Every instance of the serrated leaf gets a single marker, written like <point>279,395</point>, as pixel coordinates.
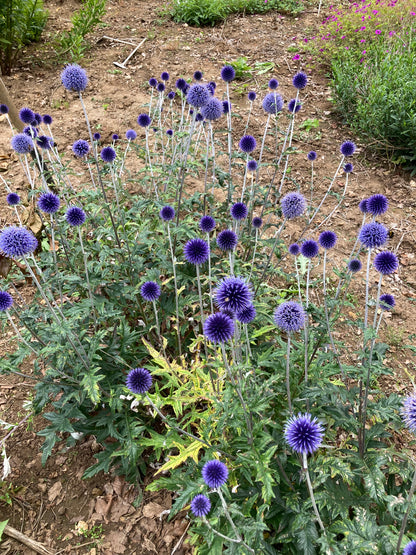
<point>3,525</point>
<point>90,383</point>
<point>192,451</point>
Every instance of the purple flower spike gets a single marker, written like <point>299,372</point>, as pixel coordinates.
<point>312,156</point>
<point>80,148</point>
<point>410,548</point>
<point>303,433</point>
<point>21,143</point>
<point>27,116</point>
<point>212,110</point>
<point>246,315</point>
<point>198,96</point>
<point>144,120</point>
<point>363,206</point>
<point>354,265</point>
<point>252,96</point>
<point>409,412</point>
<point>131,134</point>
<point>13,199</point>
<point>108,154</point>
<point>273,84</point>
<point>252,166</point>
<point>257,222</point>
<point>294,249</point>
<point>272,103</point>
<point>387,301</point>
<point>214,474</point>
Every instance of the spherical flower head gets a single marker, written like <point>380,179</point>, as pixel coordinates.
<point>293,205</point>
<point>348,168</point>
<point>37,120</point>
<point>387,301</point>
<point>354,265</point>
<point>290,316</point>
<point>108,154</point>
<point>247,143</point>
<point>214,474</point>
<point>80,148</point>
<point>303,433</point>
<point>252,166</point>
<point>27,115</point>
<point>210,89</point>
<point>363,206</point>
<point>294,249</point>
<point>227,74</point>
<point>96,136</point>
<point>13,199</point>
<point>169,132</point>
<point>272,103</point>
<point>131,134</point>
<point>312,156</point>
<point>348,148</point>
<point>180,84</point>
<point>294,106</point>
<point>198,95</point>
<point>44,142</point>
<point>164,76</point>
<point>239,211</point>
<point>49,203</point>
<point>200,505</point>
<point>198,75</point>
<point>273,84</point>
<point>152,82</point>
<point>160,87</point>
<point>30,131</point>
<point>309,248</point>
<point>212,110</point>
<point>327,239</point>
<point>75,216</point>
<point>373,235</point>
<point>167,213</point>
<point>257,222</point>
<point>409,412</point>
<point>252,96</point>
<point>410,548</point>
<point>139,380</point>
<point>300,80</point>
<point>233,294</point>
<point>246,315</point>
<point>21,143</point>
<point>186,89</point>
<point>47,119</point>
<point>171,95</point>
<point>74,78</point>
<point>196,251</point>
<point>386,262</point>
<point>198,117</point>
<point>227,240</point>
<point>16,242</point>
<point>207,224</point>
<point>150,291</point>
<point>226,106</point>
<point>144,120</point>
<point>213,85</point>
<point>115,137</point>
<point>6,301</point>
<point>4,109</point>
<point>377,205</point>
<point>218,327</point>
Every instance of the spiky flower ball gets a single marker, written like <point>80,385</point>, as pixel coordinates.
<point>213,109</point>
<point>200,505</point>
<point>354,265</point>
<point>150,291</point>
<point>30,131</point>
<point>227,74</point>
<point>363,206</point>
<point>293,205</point>
<point>96,136</point>
<point>387,301</point>
<point>180,84</point>
<point>309,248</point>
<point>131,134</point>
<point>153,82</point>
<point>17,241</point>
<point>21,143</point>
<point>377,205</point>
<point>409,412</point>
<point>300,80</point>
<point>4,109</point>
<point>290,316</point>
<point>198,75</point>
<point>207,224</point>
<point>196,251</point>
<point>80,148</point>
<point>75,216</point>
<point>327,239</point>
<point>252,166</point>
<point>6,301</point>
<point>410,548</point>
<point>47,119</point>
<point>44,142</point>
<point>257,222</point>
<point>227,240</point>
<point>13,199</point>
<point>303,433</point>
<point>252,96</point>
<point>233,294</point>
<point>167,213</point>
<point>164,76</point>
<point>294,106</point>
<point>218,328</point>
<point>214,474</point>
<point>348,168</point>
<point>348,148</point>
<point>247,143</point>
<point>198,95</point>
<point>294,249</point>
<point>386,262</point>
<point>273,84</point>
<point>373,235</point>
<point>246,315</point>
<point>272,103</point>
<point>239,211</point>
<point>312,156</point>
<point>26,115</point>
<point>49,203</point>
<point>139,380</point>
<point>108,154</point>
<point>74,78</point>
<point>144,120</point>
<point>160,87</point>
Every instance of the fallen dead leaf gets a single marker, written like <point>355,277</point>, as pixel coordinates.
<point>55,491</point>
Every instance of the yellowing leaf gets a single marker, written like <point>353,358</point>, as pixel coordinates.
<point>192,451</point>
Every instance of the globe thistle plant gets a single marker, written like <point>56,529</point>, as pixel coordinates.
<point>290,317</point>
<point>17,242</point>
<point>13,199</point>
<point>218,328</point>
<point>6,301</point>
<point>27,116</point>
<point>74,78</point>
<point>233,294</point>
<point>21,143</point>
<point>300,80</point>
<point>200,505</point>
<point>108,154</point>
<point>49,203</point>
<point>207,224</point>
<point>354,265</point>
<point>75,216</point>
<point>167,213</point>
<point>293,205</point>
<point>247,144</point>
<point>239,211</point>
<point>150,291</point>
<point>139,381</point>
<point>377,205</point>
<point>80,148</point>
<point>347,148</point>
<point>214,474</point>
<point>386,262</point>
<point>198,95</point>
<point>387,301</point>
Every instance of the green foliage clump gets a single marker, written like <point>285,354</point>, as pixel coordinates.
<point>21,22</point>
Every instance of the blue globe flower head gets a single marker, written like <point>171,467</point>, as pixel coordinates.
<point>272,103</point>
<point>4,109</point>
<point>153,82</point>
<point>180,84</point>
<point>198,75</point>
<point>239,211</point>
<point>410,548</point>
<point>227,240</point>
<point>290,316</point>
<point>200,505</point>
<point>229,313</point>
<point>386,262</point>
<point>377,205</point>
<point>167,213</point>
<point>171,95</point>
<point>108,154</point>
<point>74,78</point>
<point>115,137</point>
<point>252,96</point>
<point>363,206</point>
<point>348,148</point>
<point>354,265</point>
<point>309,248</point>
<point>144,120</point>
<point>213,85</point>
<point>44,142</point>
<point>199,117</point>
<point>212,110</point>
<point>207,224</point>
<point>27,116</point>
<point>373,235</point>
<point>226,106</point>
<point>233,294</point>
<point>387,301</point>
<point>409,412</point>
<point>218,328</point>
<point>294,249</point>
<point>303,433</point>
<point>165,76</point>
<point>348,168</point>
<point>38,119</point>
<point>30,131</point>
<point>293,205</point>
<point>75,216</point>
<point>21,143</point>
<point>211,89</point>
<point>13,199</point>
<point>196,251</point>
<point>328,239</point>
<point>150,291</point>
<point>139,380</point>
<point>246,315</point>
<point>198,95</point>
<point>247,143</point>
<point>312,156</point>
<point>273,84</point>
<point>214,474</point>
<point>186,89</point>
<point>96,136</point>
<point>252,166</point>
<point>6,301</point>
<point>16,242</point>
<point>228,74</point>
<point>160,87</point>
<point>80,148</point>
<point>131,134</point>
<point>294,106</point>
<point>300,80</point>
<point>49,203</point>
<point>47,119</point>
<point>169,132</point>
<point>257,222</point>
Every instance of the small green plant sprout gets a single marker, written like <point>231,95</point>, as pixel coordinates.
<point>263,67</point>
<point>242,68</point>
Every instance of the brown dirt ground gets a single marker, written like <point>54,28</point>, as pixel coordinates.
<point>51,503</point>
